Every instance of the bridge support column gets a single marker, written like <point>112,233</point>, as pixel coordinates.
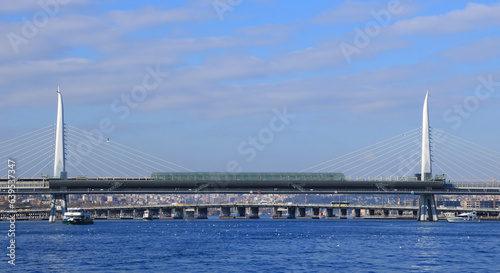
<point>400,212</point>
<point>386,212</point>
<point>427,208</point>
<point>357,213</point>
<point>202,213</point>
<point>53,206</point>
<point>225,212</point>
<point>291,212</point>
<point>343,213</point>
<point>254,212</point>
<point>329,213</point>
<point>167,212</point>
<point>53,210</point>
<point>315,213</point>
<point>302,212</point>
<point>240,212</point>
<point>178,213</point>
<point>64,204</point>
<point>371,212</point>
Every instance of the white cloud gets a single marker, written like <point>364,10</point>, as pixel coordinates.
<point>477,51</point>
<point>33,6</point>
<point>357,11</point>
<point>148,16</point>
<point>473,17</point>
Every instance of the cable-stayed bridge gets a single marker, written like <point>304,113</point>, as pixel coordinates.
<point>399,165</point>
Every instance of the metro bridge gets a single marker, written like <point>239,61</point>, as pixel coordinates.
<point>424,184</point>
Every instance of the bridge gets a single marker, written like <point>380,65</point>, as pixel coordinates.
<point>422,184</point>
<point>250,211</point>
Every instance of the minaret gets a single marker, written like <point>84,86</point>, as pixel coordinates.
<point>59,157</point>
<point>426,147</point>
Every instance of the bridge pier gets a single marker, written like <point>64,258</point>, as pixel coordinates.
<point>225,213</point>
<point>386,212</point>
<point>357,213</point>
<point>167,212</point>
<point>343,213</point>
<point>329,213</point>
<point>178,213</point>
<point>240,212</point>
<point>371,212</point>
<point>254,213</point>
<point>427,208</point>
<point>400,212</point>
<point>202,213</point>
<point>291,212</point>
<point>53,206</point>
<point>53,210</point>
<point>302,212</point>
<point>315,213</point>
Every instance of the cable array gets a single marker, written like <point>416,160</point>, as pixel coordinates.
<point>92,155</point>
<point>395,157</point>
<point>33,153</point>
<point>462,160</point>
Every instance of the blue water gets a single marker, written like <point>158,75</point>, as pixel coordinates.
<point>263,245</point>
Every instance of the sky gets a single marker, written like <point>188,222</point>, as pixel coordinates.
<point>251,85</point>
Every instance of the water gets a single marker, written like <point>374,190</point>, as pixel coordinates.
<point>263,245</point>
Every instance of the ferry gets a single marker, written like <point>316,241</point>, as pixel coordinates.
<point>147,215</point>
<point>77,217</point>
<point>466,217</point>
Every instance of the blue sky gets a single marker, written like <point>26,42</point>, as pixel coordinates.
<point>204,76</point>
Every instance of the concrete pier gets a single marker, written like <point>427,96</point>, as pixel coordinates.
<point>315,213</point>
<point>254,212</point>
<point>178,213</point>
<point>302,212</point>
<point>291,212</point>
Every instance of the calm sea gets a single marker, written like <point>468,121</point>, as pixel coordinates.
<point>263,245</point>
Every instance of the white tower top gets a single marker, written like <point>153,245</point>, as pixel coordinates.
<point>426,147</point>
<point>59,157</point>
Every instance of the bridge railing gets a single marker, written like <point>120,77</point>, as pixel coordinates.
<point>25,185</point>
<point>474,184</point>
<point>109,178</point>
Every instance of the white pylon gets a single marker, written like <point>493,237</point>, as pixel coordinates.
<point>59,157</point>
<point>426,173</point>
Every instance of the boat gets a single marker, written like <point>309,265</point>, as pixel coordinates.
<point>77,217</point>
<point>147,215</point>
<point>466,217</point>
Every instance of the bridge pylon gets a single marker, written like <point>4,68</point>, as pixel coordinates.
<point>427,202</point>
<point>59,159</point>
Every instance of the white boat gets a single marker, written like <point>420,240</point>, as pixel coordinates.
<point>77,217</point>
<point>147,215</point>
<point>466,217</point>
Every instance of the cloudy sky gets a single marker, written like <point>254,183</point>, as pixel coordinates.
<point>261,85</point>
